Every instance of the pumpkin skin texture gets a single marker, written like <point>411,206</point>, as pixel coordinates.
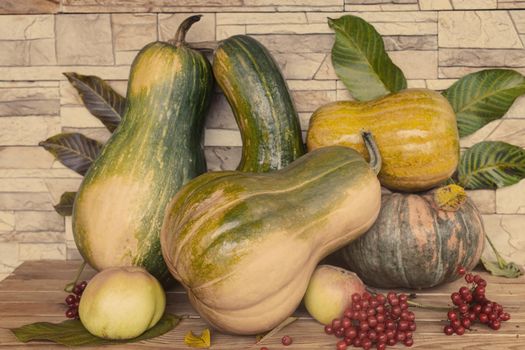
<point>260,100</point>
<point>118,211</point>
<point>413,244</point>
<point>244,245</point>
<point>415,130</point>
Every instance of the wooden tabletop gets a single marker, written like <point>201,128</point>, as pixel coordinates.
<point>34,292</point>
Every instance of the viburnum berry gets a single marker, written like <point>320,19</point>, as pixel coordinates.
<point>286,340</point>
<point>73,300</point>
<point>471,305</point>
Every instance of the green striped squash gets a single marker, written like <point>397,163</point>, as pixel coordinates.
<point>414,244</point>
<point>157,148</point>
<point>261,103</point>
<point>244,245</point>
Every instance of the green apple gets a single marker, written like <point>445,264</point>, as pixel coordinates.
<point>121,303</point>
<point>330,292</point>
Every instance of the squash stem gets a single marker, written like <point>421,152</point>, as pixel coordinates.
<point>180,36</point>
<point>373,151</point>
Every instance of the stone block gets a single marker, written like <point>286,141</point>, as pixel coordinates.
<point>72,251</point>
<point>37,52</point>
<point>311,85</point>
<point>481,58</point>
<point>7,221</point>
<point>222,158</point>
<point>285,43</point>
<point>26,27</point>
<point>299,65</point>
<point>79,117</point>
<point>41,251</point>
<point>309,101</point>
<point>28,100</point>
<point>326,70</point>
<point>506,232</point>
<point>440,84</point>
<point>406,28</point>
<point>260,18</point>
<point>485,200</point>
<point>314,28</point>
<point>125,57</point>
<point>426,5</point>
<point>25,201</point>
<point>479,135</point>
<point>511,4</point>
<point>22,185</point>
<point>204,30</point>
<point>416,64</point>
<point>38,173</point>
<point>517,110</point>
<point>25,157</point>
<point>474,4</point>
<point>133,31</point>
<point>33,236</point>
<point>220,114</point>
<point>477,29</point>
<point>55,72</point>
<point>222,138</point>
<point>511,199</point>
<point>417,42</point>
<point>18,131</point>
<point>69,228</point>
<point>58,186</point>
<point>35,221</point>
<point>511,131</point>
<point>226,31</point>
<point>518,17</point>
<point>84,39</point>
<point>9,254</point>
<point>25,7</point>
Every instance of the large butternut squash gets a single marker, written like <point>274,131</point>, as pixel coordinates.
<point>415,130</point>
<point>244,245</point>
<point>119,208</point>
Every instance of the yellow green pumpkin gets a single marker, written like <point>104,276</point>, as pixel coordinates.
<point>415,131</point>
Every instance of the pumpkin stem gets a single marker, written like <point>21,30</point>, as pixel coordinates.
<point>180,36</point>
<point>450,197</point>
<point>373,151</point>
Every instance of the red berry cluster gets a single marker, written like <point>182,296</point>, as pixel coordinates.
<point>73,300</point>
<point>374,320</point>
<point>472,305</point>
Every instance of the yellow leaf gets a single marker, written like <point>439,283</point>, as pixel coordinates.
<point>203,341</point>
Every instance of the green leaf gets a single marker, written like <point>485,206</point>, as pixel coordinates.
<point>481,97</point>
<point>360,60</point>
<point>74,150</point>
<point>491,164</point>
<point>65,206</point>
<point>99,98</point>
<point>73,333</point>
<point>509,270</point>
<point>203,341</point>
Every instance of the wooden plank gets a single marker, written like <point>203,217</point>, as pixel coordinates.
<point>28,6</point>
<point>34,294</point>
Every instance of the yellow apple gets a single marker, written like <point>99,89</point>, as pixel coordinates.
<point>330,292</point>
<point>121,303</point>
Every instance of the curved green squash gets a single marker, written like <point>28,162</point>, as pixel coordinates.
<point>415,244</point>
<point>119,208</point>
<point>261,103</point>
<point>244,245</point>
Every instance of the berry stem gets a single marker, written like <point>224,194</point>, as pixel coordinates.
<point>69,287</point>
<point>429,307</point>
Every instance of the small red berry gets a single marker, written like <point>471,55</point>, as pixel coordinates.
<point>328,329</point>
<point>341,345</point>
<point>408,342</point>
<point>286,340</point>
<point>264,348</point>
<point>483,318</point>
<point>448,330</point>
<point>350,333</point>
<point>466,323</point>
<point>451,315</point>
<point>505,316</point>
<point>469,278</point>
<point>496,324</point>
<point>461,270</point>
<point>460,330</point>
<point>71,299</point>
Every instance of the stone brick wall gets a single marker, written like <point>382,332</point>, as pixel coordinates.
<point>433,41</point>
